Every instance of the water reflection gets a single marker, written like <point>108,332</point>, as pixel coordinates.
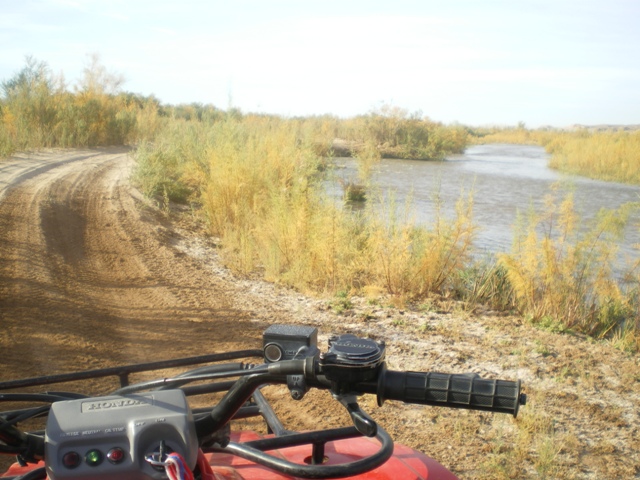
<point>505,180</point>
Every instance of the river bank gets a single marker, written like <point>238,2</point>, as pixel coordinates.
<point>582,420</point>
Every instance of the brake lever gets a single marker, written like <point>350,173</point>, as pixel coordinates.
<point>361,420</point>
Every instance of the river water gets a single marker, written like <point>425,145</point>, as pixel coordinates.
<point>504,180</point>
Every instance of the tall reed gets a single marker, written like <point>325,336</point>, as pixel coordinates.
<point>563,275</point>
<point>396,133</point>
<point>613,156</point>
<point>415,260</point>
<point>260,183</point>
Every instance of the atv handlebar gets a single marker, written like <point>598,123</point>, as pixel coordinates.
<point>351,366</point>
<point>465,391</point>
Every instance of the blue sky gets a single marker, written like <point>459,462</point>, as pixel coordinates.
<point>542,62</point>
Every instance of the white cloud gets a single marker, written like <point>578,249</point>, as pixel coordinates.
<point>16,23</point>
<point>164,31</point>
<point>74,4</point>
<point>116,16</point>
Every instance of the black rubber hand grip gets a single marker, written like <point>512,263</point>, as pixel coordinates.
<point>450,390</point>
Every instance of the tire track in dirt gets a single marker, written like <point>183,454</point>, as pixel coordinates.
<point>87,279</point>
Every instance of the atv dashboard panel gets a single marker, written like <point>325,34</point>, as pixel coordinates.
<point>119,436</point>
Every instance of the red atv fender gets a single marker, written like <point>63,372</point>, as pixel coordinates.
<point>405,464</point>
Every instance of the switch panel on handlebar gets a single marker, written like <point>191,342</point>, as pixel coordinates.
<point>113,437</point>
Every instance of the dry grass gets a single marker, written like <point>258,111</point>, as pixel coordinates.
<point>519,135</point>
<point>37,110</point>
<point>259,181</point>
<point>612,156</point>
<point>413,260</point>
<point>563,278</point>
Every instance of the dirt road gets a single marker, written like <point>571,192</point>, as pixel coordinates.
<point>92,275</point>
<point>88,277</point>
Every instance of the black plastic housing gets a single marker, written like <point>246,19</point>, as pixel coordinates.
<point>351,360</point>
<point>283,342</point>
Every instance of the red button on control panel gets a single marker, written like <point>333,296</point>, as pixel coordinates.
<point>115,455</point>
